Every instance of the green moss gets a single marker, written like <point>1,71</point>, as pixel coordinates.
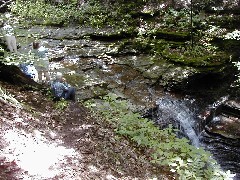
<point>171,35</point>
<point>197,61</point>
<point>75,80</point>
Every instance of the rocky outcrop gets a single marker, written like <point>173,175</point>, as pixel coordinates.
<point>225,120</point>
<point>167,70</point>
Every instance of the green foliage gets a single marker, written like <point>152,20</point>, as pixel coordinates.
<point>90,13</point>
<point>176,19</point>
<point>13,59</point>
<point>43,13</point>
<point>7,97</point>
<point>60,105</point>
<point>231,40</point>
<point>167,150</point>
<point>233,35</point>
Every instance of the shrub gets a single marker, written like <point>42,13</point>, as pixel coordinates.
<point>182,158</point>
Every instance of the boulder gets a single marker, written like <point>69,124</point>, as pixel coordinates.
<point>225,120</point>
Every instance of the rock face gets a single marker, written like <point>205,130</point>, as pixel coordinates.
<point>109,61</point>
<point>225,120</point>
<point>222,135</point>
<point>12,74</point>
<point>91,43</point>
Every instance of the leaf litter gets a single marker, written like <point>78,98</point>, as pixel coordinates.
<point>40,142</point>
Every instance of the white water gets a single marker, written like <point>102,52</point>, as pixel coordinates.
<point>173,110</point>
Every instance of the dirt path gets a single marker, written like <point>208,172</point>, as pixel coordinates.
<point>39,142</point>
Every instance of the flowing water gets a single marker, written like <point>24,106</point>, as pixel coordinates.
<point>177,112</point>
<point>95,77</point>
<point>183,114</point>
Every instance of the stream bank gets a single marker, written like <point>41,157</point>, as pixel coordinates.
<point>40,141</point>
<point>103,60</point>
<point>96,67</point>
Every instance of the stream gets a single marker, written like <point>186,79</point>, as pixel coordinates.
<point>184,115</point>
<point>87,66</point>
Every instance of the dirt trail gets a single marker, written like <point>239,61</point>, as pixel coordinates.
<point>39,142</point>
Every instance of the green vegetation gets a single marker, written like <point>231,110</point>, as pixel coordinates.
<point>156,29</point>
<point>90,14</point>
<point>62,104</point>
<point>164,148</point>
<point>8,98</point>
<point>13,59</point>
<point>38,12</point>
<point>196,57</point>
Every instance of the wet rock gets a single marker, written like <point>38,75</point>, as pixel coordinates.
<point>89,60</point>
<point>225,120</point>
<point>177,36</point>
<point>226,126</point>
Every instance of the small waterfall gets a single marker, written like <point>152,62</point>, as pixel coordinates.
<point>177,113</point>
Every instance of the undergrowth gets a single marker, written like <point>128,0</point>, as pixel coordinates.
<point>187,161</point>
<point>7,98</point>
<point>90,13</point>
<point>60,105</point>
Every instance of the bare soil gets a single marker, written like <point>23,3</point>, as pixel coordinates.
<point>88,146</point>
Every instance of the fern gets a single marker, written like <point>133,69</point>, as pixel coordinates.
<point>182,158</point>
